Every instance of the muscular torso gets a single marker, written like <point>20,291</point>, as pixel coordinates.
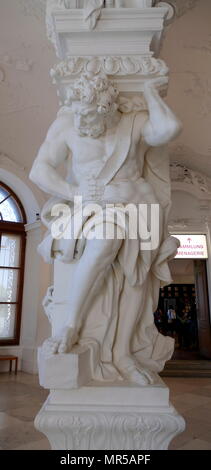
<point>85,156</point>
<point>122,146</point>
<point>88,156</point>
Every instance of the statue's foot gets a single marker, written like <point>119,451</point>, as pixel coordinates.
<point>133,372</point>
<point>62,344</point>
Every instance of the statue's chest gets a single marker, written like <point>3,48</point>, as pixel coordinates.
<point>88,149</point>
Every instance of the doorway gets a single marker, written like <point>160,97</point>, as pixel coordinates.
<point>183,310</point>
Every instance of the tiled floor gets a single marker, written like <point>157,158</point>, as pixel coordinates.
<point>21,398</point>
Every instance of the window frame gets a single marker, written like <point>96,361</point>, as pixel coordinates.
<point>16,228</point>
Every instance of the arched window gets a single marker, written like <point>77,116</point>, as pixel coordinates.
<point>12,256</point>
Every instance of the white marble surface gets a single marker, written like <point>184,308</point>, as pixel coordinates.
<point>21,398</point>
<point>98,281</point>
<point>112,154</point>
<point>64,371</point>
<point>112,418</point>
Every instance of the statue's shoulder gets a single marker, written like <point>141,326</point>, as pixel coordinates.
<point>65,111</point>
<point>65,115</point>
<point>62,123</point>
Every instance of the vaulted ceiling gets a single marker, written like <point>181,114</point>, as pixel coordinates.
<point>29,102</point>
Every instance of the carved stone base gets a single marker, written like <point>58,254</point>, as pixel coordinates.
<point>64,371</point>
<point>113,417</point>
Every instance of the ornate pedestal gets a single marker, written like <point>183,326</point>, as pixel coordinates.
<point>113,417</point>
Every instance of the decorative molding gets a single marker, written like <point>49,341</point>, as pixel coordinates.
<point>52,5</point>
<point>112,431</point>
<point>147,21</point>
<point>109,65</point>
<point>181,174</point>
<point>192,159</point>
<point>198,185</point>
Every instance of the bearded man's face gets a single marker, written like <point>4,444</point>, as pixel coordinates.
<point>87,120</point>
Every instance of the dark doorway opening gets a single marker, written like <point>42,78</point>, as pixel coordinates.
<point>183,310</point>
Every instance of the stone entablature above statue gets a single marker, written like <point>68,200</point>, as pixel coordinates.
<point>121,45</point>
<point>133,28</point>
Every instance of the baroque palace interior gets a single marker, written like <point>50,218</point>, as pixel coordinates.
<point>28,106</point>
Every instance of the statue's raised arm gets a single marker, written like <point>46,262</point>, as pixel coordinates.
<point>162,125</point>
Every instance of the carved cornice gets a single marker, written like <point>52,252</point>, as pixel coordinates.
<point>120,66</point>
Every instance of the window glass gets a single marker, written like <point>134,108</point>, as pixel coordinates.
<point>9,210</point>
<point>8,284</point>
<point>10,250</point>
<point>7,320</point>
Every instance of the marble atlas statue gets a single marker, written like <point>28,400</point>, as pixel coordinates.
<point>120,158</point>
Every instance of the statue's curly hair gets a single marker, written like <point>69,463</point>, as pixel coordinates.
<point>94,89</point>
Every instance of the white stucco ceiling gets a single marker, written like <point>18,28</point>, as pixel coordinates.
<point>29,102</point>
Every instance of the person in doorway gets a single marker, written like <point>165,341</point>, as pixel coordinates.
<point>171,319</point>
<point>159,320</point>
<point>183,329</point>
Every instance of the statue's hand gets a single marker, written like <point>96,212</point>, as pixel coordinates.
<point>155,83</point>
<point>90,190</point>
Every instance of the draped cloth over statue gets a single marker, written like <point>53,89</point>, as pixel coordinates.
<point>136,274</point>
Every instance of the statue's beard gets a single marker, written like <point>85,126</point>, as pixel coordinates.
<point>92,131</point>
